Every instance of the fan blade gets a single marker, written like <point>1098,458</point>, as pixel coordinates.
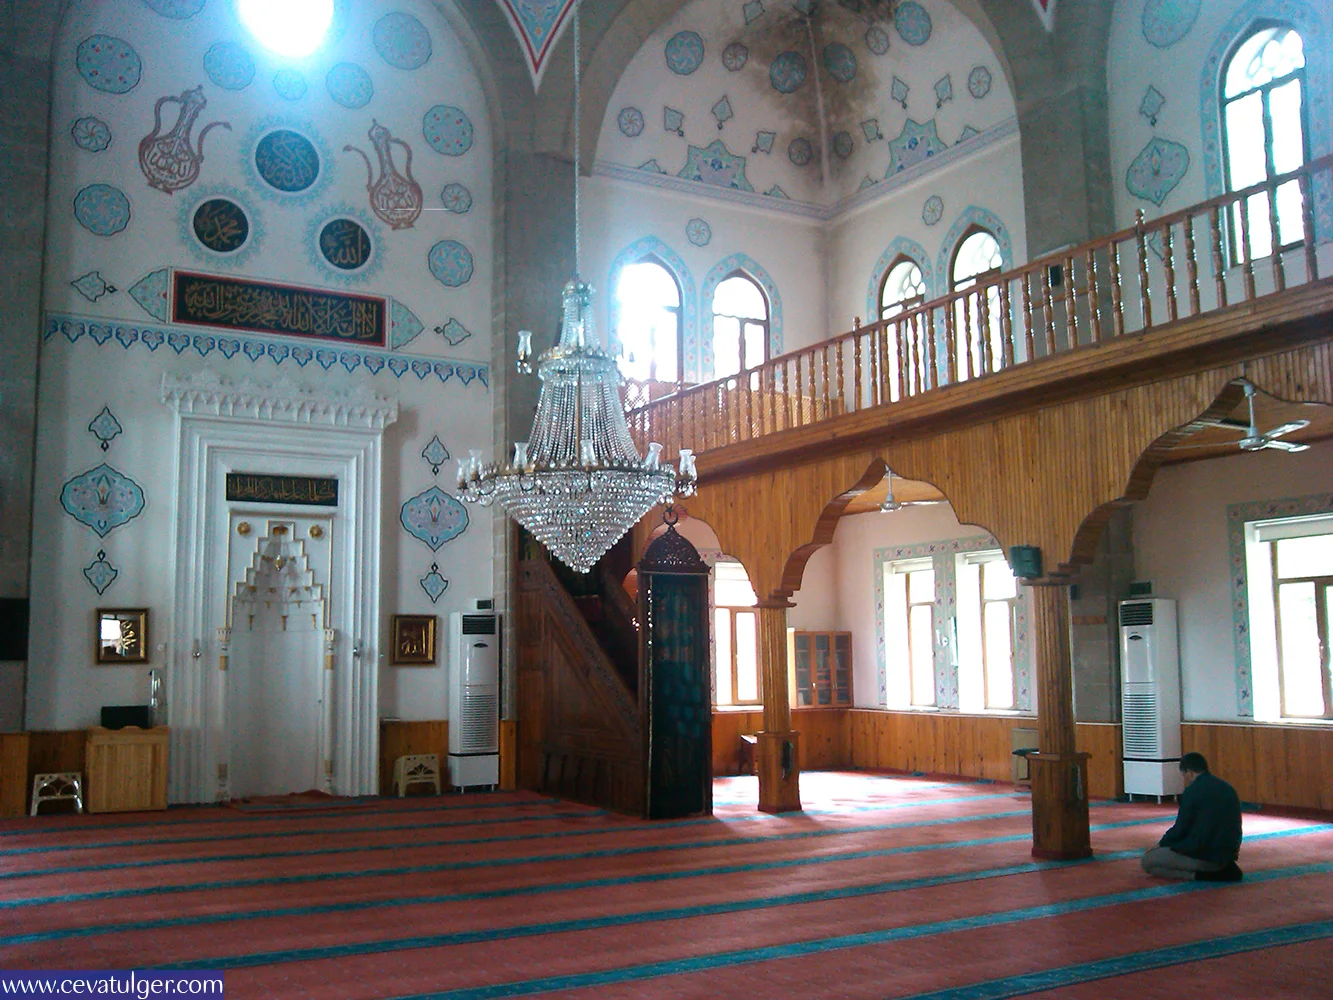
<point>1287,446</point>
<point>1287,428</point>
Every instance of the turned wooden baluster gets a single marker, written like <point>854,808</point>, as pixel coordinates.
<point>772,396</point>
<point>1048,309</point>
<point>1006,327</point>
<point>1144,291</point>
<point>1191,266</point>
<point>872,346</point>
<point>751,375</point>
<point>828,398</point>
<point>1274,228</point>
<point>1117,303</point>
<point>970,363</point>
<point>1094,306</point>
<point>1246,255</point>
<point>1307,229</point>
<point>1219,268</point>
<point>1071,304</point>
<point>1169,262</point>
<point>856,369</point>
<point>842,389</point>
<point>933,374</point>
<point>814,392</point>
<point>882,335</point>
<point>983,321</point>
<point>799,419</point>
<point>951,341</point>
<point>1029,341</point>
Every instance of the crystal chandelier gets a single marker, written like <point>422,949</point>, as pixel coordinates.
<point>578,484</point>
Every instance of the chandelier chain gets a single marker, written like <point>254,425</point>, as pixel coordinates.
<point>578,111</point>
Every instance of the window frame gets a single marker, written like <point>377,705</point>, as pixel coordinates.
<point>1323,587</point>
<point>903,305</point>
<point>678,310</point>
<point>733,610</point>
<point>765,323</point>
<point>905,568</point>
<point>1235,250</point>
<point>1012,602</point>
<point>980,276</point>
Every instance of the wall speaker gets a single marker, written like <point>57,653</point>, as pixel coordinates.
<point>1025,561</point>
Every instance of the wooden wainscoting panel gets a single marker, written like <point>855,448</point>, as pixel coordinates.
<point>823,745</point>
<point>1275,765</point>
<point>1106,772</point>
<point>728,727</point>
<point>127,769</point>
<point>400,737</point>
<point>15,784</point>
<point>508,755</point>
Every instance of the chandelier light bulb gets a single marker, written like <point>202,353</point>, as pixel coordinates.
<point>292,28</point>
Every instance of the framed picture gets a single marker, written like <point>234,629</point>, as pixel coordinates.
<point>122,635</point>
<point>413,641</point>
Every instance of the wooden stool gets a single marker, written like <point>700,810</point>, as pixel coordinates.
<point>61,786</point>
<point>416,769</point>
<point>746,761</point>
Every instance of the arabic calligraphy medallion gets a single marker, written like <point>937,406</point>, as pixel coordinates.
<point>221,225</point>
<point>287,161</point>
<point>395,197</point>
<point>345,244</point>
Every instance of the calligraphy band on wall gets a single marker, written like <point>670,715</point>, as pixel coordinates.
<point>268,307</point>
<point>307,490</point>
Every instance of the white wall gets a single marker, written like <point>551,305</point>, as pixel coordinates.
<point>79,376</point>
<point>1180,544</point>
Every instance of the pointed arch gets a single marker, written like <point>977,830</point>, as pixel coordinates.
<point>900,247</point>
<point>967,218</point>
<point>715,276</point>
<point>659,250</point>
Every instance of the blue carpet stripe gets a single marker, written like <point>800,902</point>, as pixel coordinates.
<point>510,838</point>
<point>654,916</point>
<point>583,812</point>
<point>1143,961</point>
<point>274,880</point>
<point>747,956</point>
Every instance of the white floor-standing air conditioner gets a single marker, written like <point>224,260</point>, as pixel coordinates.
<point>474,699</point>
<point>1150,697</point>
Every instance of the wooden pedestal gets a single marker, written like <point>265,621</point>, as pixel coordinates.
<point>776,792</point>
<point>127,769</point>
<point>1060,806</point>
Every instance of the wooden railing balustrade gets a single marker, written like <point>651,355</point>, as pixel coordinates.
<point>1255,241</point>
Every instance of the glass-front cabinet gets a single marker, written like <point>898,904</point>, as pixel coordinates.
<point>822,669</point>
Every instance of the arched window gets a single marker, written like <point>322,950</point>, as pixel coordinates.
<point>648,322</point>
<point>740,325</point>
<point>903,288</point>
<point>977,257</point>
<point>1264,127</point>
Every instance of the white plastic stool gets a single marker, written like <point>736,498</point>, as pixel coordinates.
<point>57,787</point>
<point>416,769</point>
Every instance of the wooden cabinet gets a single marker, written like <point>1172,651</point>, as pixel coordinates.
<point>127,769</point>
<point>822,669</point>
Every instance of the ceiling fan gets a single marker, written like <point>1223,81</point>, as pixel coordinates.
<point>888,505</point>
<point>1254,441</point>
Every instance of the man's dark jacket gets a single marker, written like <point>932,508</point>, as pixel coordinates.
<point>1207,827</point>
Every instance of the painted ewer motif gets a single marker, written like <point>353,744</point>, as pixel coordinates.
<point>168,161</point>
<point>395,197</point>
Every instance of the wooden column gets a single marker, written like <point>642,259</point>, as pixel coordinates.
<point>777,751</point>
<point>1059,772</point>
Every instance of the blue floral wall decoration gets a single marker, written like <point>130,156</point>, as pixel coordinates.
<point>105,427</point>
<point>651,166</point>
<point>177,10</point>
<point>735,56</point>
<point>776,191</point>
<point>404,326</point>
<point>684,52</point>
<point>843,145</point>
<point>698,232</point>
<point>102,209</point>
<point>91,134</point>
<point>151,293</point>
<point>673,120</point>
<point>979,82</point>
<point>899,91</point>
<point>454,332</point>
<point>289,85</point>
<point>435,454</point>
<point>349,85</point>
<point>229,66</point>
<point>108,64</point>
<point>92,286</point>
<point>630,122</point>
<point>402,41</point>
<point>447,129</point>
<point>913,23</point>
<point>434,517</point>
<point>800,152</point>
<point>753,10</point>
<point>456,198</point>
<point>943,91</point>
<point>433,583</point>
<point>915,144</point>
<point>451,263</point>
<point>787,72</point>
<point>654,247</point>
<point>722,111</point>
<point>840,61</point>
<point>1157,170</point>
<point>1151,105</point>
<point>717,274</point>
<point>102,499</point>
<point>877,40</point>
<point>716,166</point>
<point>871,130</point>
<point>763,142</point>
<point>100,574</point>
<point>933,210</point>
<point>1166,22</point>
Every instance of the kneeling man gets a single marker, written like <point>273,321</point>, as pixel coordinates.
<point>1205,840</point>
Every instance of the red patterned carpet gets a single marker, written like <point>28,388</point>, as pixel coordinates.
<point>885,887</point>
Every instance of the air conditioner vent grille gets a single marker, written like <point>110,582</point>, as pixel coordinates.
<point>1139,613</point>
<point>479,624</point>
<point>1140,724</point>
<point>479,720</point>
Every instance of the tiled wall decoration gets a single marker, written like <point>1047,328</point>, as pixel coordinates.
<point>102,499</point>
<point>100,574</point>
<point>1157,170</point>
<point>1166,22</point>
<point>434,517</point>
<point>105,427</point>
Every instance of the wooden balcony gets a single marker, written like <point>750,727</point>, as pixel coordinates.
<point>1227,280</point>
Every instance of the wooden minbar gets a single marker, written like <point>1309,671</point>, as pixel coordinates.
<point>127,769</point>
